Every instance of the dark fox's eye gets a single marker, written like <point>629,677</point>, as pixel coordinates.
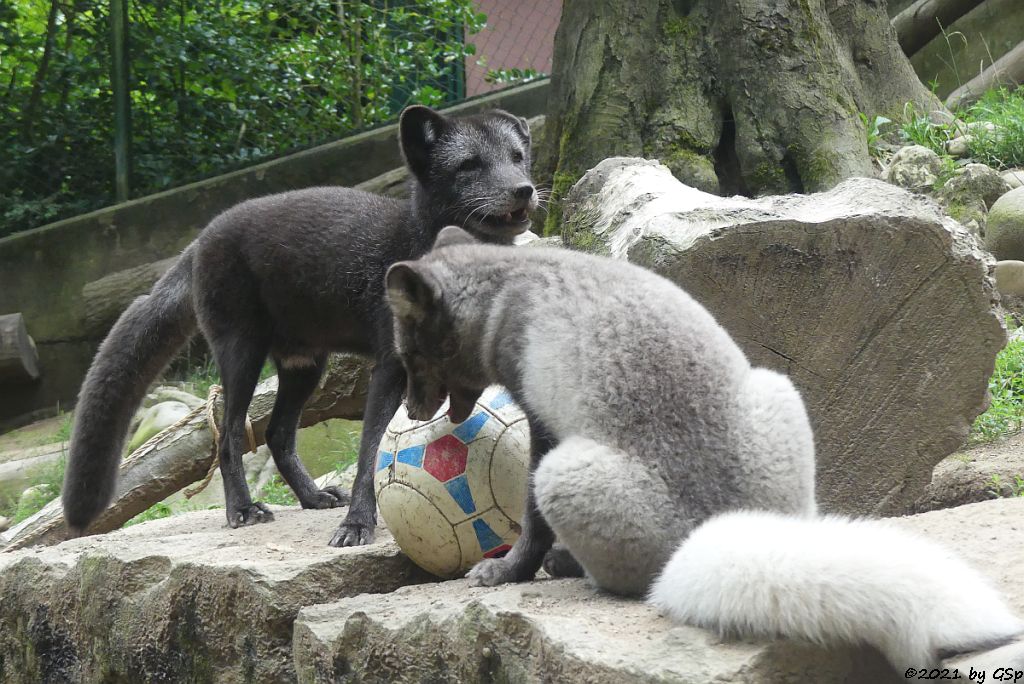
<point>517,157</point>
<point>470,164</point>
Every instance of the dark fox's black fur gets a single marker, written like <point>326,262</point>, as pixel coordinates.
<point>295,276</point>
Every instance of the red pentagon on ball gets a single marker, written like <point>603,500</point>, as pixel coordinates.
<point>445,458</point>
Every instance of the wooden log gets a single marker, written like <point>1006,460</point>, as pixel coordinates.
<point>1007,70</point>
<point>103,300</point>
<point>182,454</point>
<point>918,24</point>
<point>19,361</point>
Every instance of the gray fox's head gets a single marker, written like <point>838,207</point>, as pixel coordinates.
<point>426,339</point>
<point>472,171</point>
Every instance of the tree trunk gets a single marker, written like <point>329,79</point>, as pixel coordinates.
<point>29,113</point>
<point>181,455</point>
<point>925,19</point>
<point>18,359</point>
<point>1007,70</point>
<point>735,96</point>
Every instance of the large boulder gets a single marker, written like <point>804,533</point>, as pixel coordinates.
<point>565,631</point>
<point>183,599</point>
<point>880,308</point>
<point>914,167</point>
<point>971,192</point>
<point>1004,235</point>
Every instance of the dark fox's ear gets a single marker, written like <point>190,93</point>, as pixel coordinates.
<point>522,126</point>
<point>419,128</point>
<point>453,235</point>
<point>413,293</point>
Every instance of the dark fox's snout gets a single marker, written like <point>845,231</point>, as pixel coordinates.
<point>523,192</point>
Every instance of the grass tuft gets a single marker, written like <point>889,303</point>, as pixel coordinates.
<point>1005,415</point>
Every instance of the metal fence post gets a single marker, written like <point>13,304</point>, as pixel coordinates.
<point>122,105</point>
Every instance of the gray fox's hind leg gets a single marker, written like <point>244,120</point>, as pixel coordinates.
<point>617,520</point>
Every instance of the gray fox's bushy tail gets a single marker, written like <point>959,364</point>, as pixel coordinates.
<point>138,347</point>
<point>833,580</point>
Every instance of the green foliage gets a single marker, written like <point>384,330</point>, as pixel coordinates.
<point>919,129</point>
<point>1000,148</point>
<point>154,512</point>
<point>873,127</point>
<point>998,488</point>
<point>1003,147</point>
<point>1006,412</point>
<point>512,76</point>
<point>164,510</point>
<point>214,86</point>
<point>277,492</point>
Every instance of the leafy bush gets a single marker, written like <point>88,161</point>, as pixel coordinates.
<point>214,85</point>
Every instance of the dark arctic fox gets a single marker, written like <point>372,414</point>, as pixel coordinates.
<point>295,276</point>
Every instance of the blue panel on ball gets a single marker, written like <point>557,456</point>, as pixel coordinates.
<point>469,429</point>
<point>458,487</point>
<point>503,398</point>
<point>384,459</point>
<point>412,456</point>
<point>486,536</point>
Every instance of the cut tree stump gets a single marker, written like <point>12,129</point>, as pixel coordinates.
<point>181,455</point>
<point>105,299</point>
<point>879,308</point>
<point>19,361</point>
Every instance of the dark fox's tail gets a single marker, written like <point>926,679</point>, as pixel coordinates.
<point>136,350</point>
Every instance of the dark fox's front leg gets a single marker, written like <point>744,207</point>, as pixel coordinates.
<point>525,558</point>
<point>387,383</point>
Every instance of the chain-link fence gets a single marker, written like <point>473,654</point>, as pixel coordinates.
<point>213,85</point>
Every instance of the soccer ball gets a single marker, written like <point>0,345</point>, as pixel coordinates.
<point>452,495</point>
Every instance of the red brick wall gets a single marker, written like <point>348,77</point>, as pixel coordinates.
<point>519,34</point>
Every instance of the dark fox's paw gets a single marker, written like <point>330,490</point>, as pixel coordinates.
<point>491,572</point>
<point>328,497</point>
<point>559,562</point>
<point>355,530</point>
<point>249,515</point>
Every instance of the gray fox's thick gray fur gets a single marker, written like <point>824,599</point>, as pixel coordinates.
<point>295,276</point>
<point>667,465</point>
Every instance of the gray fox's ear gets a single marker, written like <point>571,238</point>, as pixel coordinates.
<point>419,129</point>
<point>413,293</point>
<point>453,235</point>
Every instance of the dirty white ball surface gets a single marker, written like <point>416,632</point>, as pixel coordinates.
<point>452,495</point>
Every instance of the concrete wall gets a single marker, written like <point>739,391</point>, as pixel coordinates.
<point>43,271</point>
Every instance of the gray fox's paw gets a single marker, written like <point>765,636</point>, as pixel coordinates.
<point>559,562</point>
<point>353,533</point>
<point>249,515</point>
<point>491,572</point>
<point>328,497</point>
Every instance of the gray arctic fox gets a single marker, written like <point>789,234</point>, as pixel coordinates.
<point>665,464</point>
<point>295,276</point>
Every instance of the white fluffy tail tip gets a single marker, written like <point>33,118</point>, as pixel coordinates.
<point>830,581</point>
